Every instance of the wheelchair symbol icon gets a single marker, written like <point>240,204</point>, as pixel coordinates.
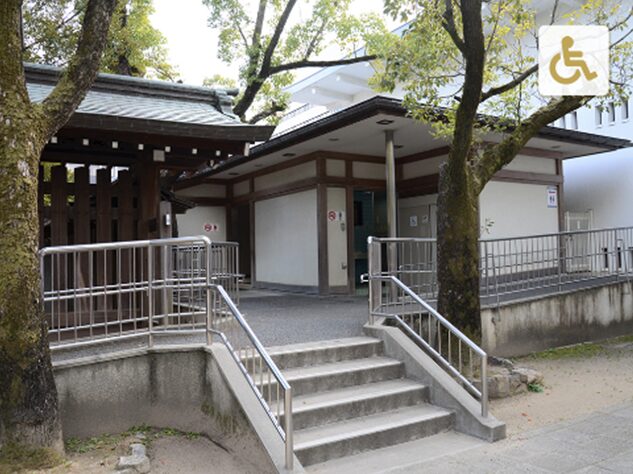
<point>570,59</point>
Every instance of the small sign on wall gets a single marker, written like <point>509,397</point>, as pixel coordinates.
<point>210,227</point>
<point>552,197</point>
<point>413,221</point>
<point>334,216</point>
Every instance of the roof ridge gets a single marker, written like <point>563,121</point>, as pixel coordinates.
<point>220,98</point>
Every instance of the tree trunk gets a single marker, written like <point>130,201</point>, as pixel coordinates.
<point>28,398</point>
<point>458,248</point>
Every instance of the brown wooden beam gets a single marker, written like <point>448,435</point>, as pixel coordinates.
<point>324,280</point>
<point>423,155</point>
<point>527,177</point>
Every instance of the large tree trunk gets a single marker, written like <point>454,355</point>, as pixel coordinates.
<point>28,398</point>
<point>458,248</point>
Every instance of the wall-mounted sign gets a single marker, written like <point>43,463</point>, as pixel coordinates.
<point>552,197</point>
<point>413,221</point>
<point>209,227</point>
<point>334,216</point>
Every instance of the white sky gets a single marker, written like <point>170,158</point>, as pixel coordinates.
<point>192,45</point>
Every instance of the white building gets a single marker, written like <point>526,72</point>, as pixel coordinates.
<point>599,188</point>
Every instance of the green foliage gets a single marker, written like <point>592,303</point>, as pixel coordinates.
<point>247,37</point>
<point>218,80</point>
<point>18,458</point>
<point>535,387</point>
<point>109,441</point>
<point>588,349</point>
<point>429,66</point>
<point>134,47</point>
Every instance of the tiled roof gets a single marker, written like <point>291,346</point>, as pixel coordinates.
<point>138,106</point>
<point>131,104</point>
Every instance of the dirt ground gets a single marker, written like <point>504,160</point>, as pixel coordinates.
<point>170,452</point>
<point>578,381</point>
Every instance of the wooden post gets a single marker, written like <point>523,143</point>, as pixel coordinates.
<point>103,261</point>
<point>81,230</point>
<point>149,197</point>
<point>59,206</point>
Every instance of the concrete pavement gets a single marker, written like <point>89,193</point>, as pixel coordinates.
<point>598,443</point>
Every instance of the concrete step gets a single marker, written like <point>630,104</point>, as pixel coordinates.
<point>321,378</point>
<point>412,456</point>
<point>345,438</point>
<point>325,352</point>
<point>359,400</point>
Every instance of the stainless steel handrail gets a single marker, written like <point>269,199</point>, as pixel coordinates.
<point>286,432</point>
<point>518,267</point>
<point>482,394</point>
<point>144,301</point>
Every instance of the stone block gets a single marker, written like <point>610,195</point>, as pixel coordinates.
<point>137,462</point>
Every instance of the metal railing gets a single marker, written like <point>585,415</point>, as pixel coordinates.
<point>97,293</point>
<point>264,377</point>
<point>518,267</point>
<point>464,360</point>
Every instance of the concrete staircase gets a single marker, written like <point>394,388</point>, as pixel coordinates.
<point>354,407</point>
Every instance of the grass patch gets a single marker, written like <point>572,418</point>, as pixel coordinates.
<point>584,350</point>
<point>19,458</point>
<point>109,441</point>
<point>621,339</point>
<point>535,387</point>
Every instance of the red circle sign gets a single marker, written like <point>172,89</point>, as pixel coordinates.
<point>331,215</point>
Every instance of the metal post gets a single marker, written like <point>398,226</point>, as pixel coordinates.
<point>150,293</point>
<point>210,304</point>
<point>288,428</point>
<point>390,164</point>
<point>484,386</point>
<point>208,322</point>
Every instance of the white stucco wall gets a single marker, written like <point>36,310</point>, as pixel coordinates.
<point>364,170</point>
<point>286,249</point>
<point>515,209</point>
<point>417,216</point>
<point>601,183</point>
<point>192,222</point>
<point>422,167</point>
<point>532,164</point>
<point>285,176</point>
<point>337,238</point>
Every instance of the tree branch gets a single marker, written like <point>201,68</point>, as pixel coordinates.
<point>448,23</point>
<point>12,77</point>
<point>274,40</point>
<point>509,85</point>
<point>62,23</point>
<point>315,39</point>
<point>259,23</point>
<point>83,67</point>
<point>304,64</point>
<point>497,156</point>
<point>267,112</point>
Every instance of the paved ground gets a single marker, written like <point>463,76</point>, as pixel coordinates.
<point>597,443</point>
<point>286,318</point>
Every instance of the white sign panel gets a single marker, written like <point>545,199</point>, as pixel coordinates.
<point>552,197</point>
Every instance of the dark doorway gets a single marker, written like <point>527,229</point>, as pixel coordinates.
<point>241,233</point>
<point>370,218</point>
